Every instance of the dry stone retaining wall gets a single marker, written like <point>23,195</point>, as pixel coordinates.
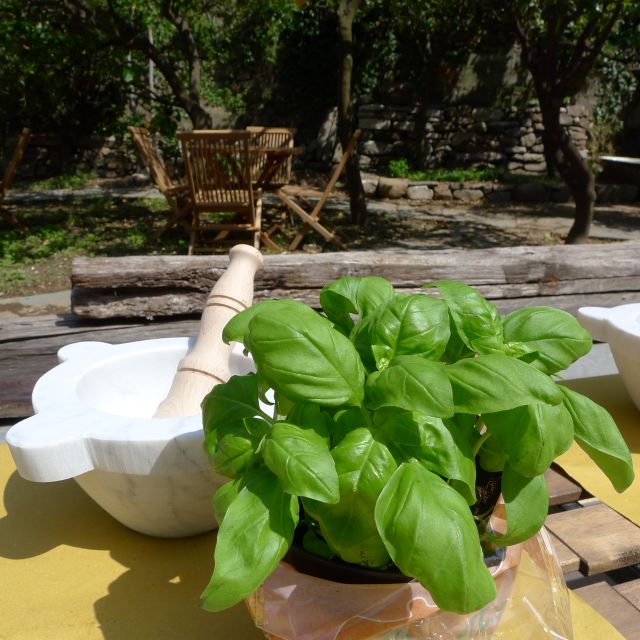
<point>463,136</point>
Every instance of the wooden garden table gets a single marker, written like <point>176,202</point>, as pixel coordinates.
<point>68,570</point>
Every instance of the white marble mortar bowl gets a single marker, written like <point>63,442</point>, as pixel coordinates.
<point>620,328</point>
<point>93,423</point>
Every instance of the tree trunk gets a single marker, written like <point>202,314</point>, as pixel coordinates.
<point>346,12</point>
<point>572,168</point>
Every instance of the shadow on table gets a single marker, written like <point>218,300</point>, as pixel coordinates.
<point>157,594</point>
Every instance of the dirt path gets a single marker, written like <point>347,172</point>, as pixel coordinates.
<point>433,225</point>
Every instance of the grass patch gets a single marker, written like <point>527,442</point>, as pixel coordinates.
<point>68,181</point>
<point>400,169</point>
<point>458,175</point>
<point>57,232</point>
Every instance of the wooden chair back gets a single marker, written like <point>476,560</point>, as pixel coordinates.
<point>149,154</point>
<point>218,168</point>
<point>266,138</point>
<point>14,163</point>
<point>177,194</point>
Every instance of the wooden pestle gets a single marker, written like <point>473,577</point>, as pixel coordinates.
<point>207,364</point>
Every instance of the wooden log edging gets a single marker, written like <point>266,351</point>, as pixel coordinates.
<point>565,276</point>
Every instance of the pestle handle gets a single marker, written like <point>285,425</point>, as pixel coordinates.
<point>207,364</point>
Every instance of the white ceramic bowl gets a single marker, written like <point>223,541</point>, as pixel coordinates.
<point>620,328</point>
<point>93,423</point>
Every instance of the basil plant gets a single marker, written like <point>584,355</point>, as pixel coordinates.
<point>363,427</point>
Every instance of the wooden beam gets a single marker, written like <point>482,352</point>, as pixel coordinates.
<point>567,277</point>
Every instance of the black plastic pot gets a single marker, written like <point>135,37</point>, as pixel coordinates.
<point>488,487</point>
<point>338,570</point>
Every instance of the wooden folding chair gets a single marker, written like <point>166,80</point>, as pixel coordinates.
<point>311,214</point>
<point>177,195</point>
<point>272,155</point>
<point>9,175</point>
<point>267,170</point>
<point>218,167</point>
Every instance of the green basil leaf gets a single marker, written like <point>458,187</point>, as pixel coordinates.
<point>348,420</point>
<point>409,324</point>
<point>431,535</point>
<point>310,416</point>
<point>526,502</point>
<point>301,460</point>
<point>532,436</point>
<point>362,342</point>
<point>364,466</point>
<point>492,456</point>
<point>456,349</point>
<point>555,335</point>
<point>283,406</point>
<point>477,320</point>
<point>224,496</point>
<point>233,425</point>
<point>236,328</point>
<point>491,383</point>
<point>254,536</point>
<point>440,446</point>
<point>412,383</point>
<point>351,295</point>
<point>235,449</point>
<point>597,434</point>
<point>314,544</point>
<point>300,354</point>
<point>228,403</point>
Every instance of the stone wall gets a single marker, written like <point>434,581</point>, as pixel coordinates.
<point>47,156</point>
<point>463,136</point>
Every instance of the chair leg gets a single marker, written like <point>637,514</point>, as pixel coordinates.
<point>310,220</point>
<point>293,245</point>
<point>278,225</point>
<point>179,215</point>
<point>195,230</point>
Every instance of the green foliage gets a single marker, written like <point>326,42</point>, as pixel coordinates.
<point>460,174</point>
<point>81,227</point>
<point>399,168</point>
<point>53,79</point>
<point>382,407</point>
<point>66,181</point>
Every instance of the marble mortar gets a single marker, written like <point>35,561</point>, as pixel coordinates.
<point>93,423</point>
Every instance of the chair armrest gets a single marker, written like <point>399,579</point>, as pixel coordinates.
<point>176,189</point>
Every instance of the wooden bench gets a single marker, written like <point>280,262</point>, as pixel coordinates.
<point>564,276</point>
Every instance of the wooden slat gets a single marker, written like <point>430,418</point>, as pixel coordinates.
<point>561,489</point>
<point>569,561</point>
<point>602,538</point>
<point>566,277</point>
<point>27,357</point>
<point>630,591</point>
<point>616,609</point>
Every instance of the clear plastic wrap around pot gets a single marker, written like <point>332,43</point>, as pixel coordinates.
<point>532,602</point>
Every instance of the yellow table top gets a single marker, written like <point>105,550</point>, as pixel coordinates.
<point>69,571</point>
